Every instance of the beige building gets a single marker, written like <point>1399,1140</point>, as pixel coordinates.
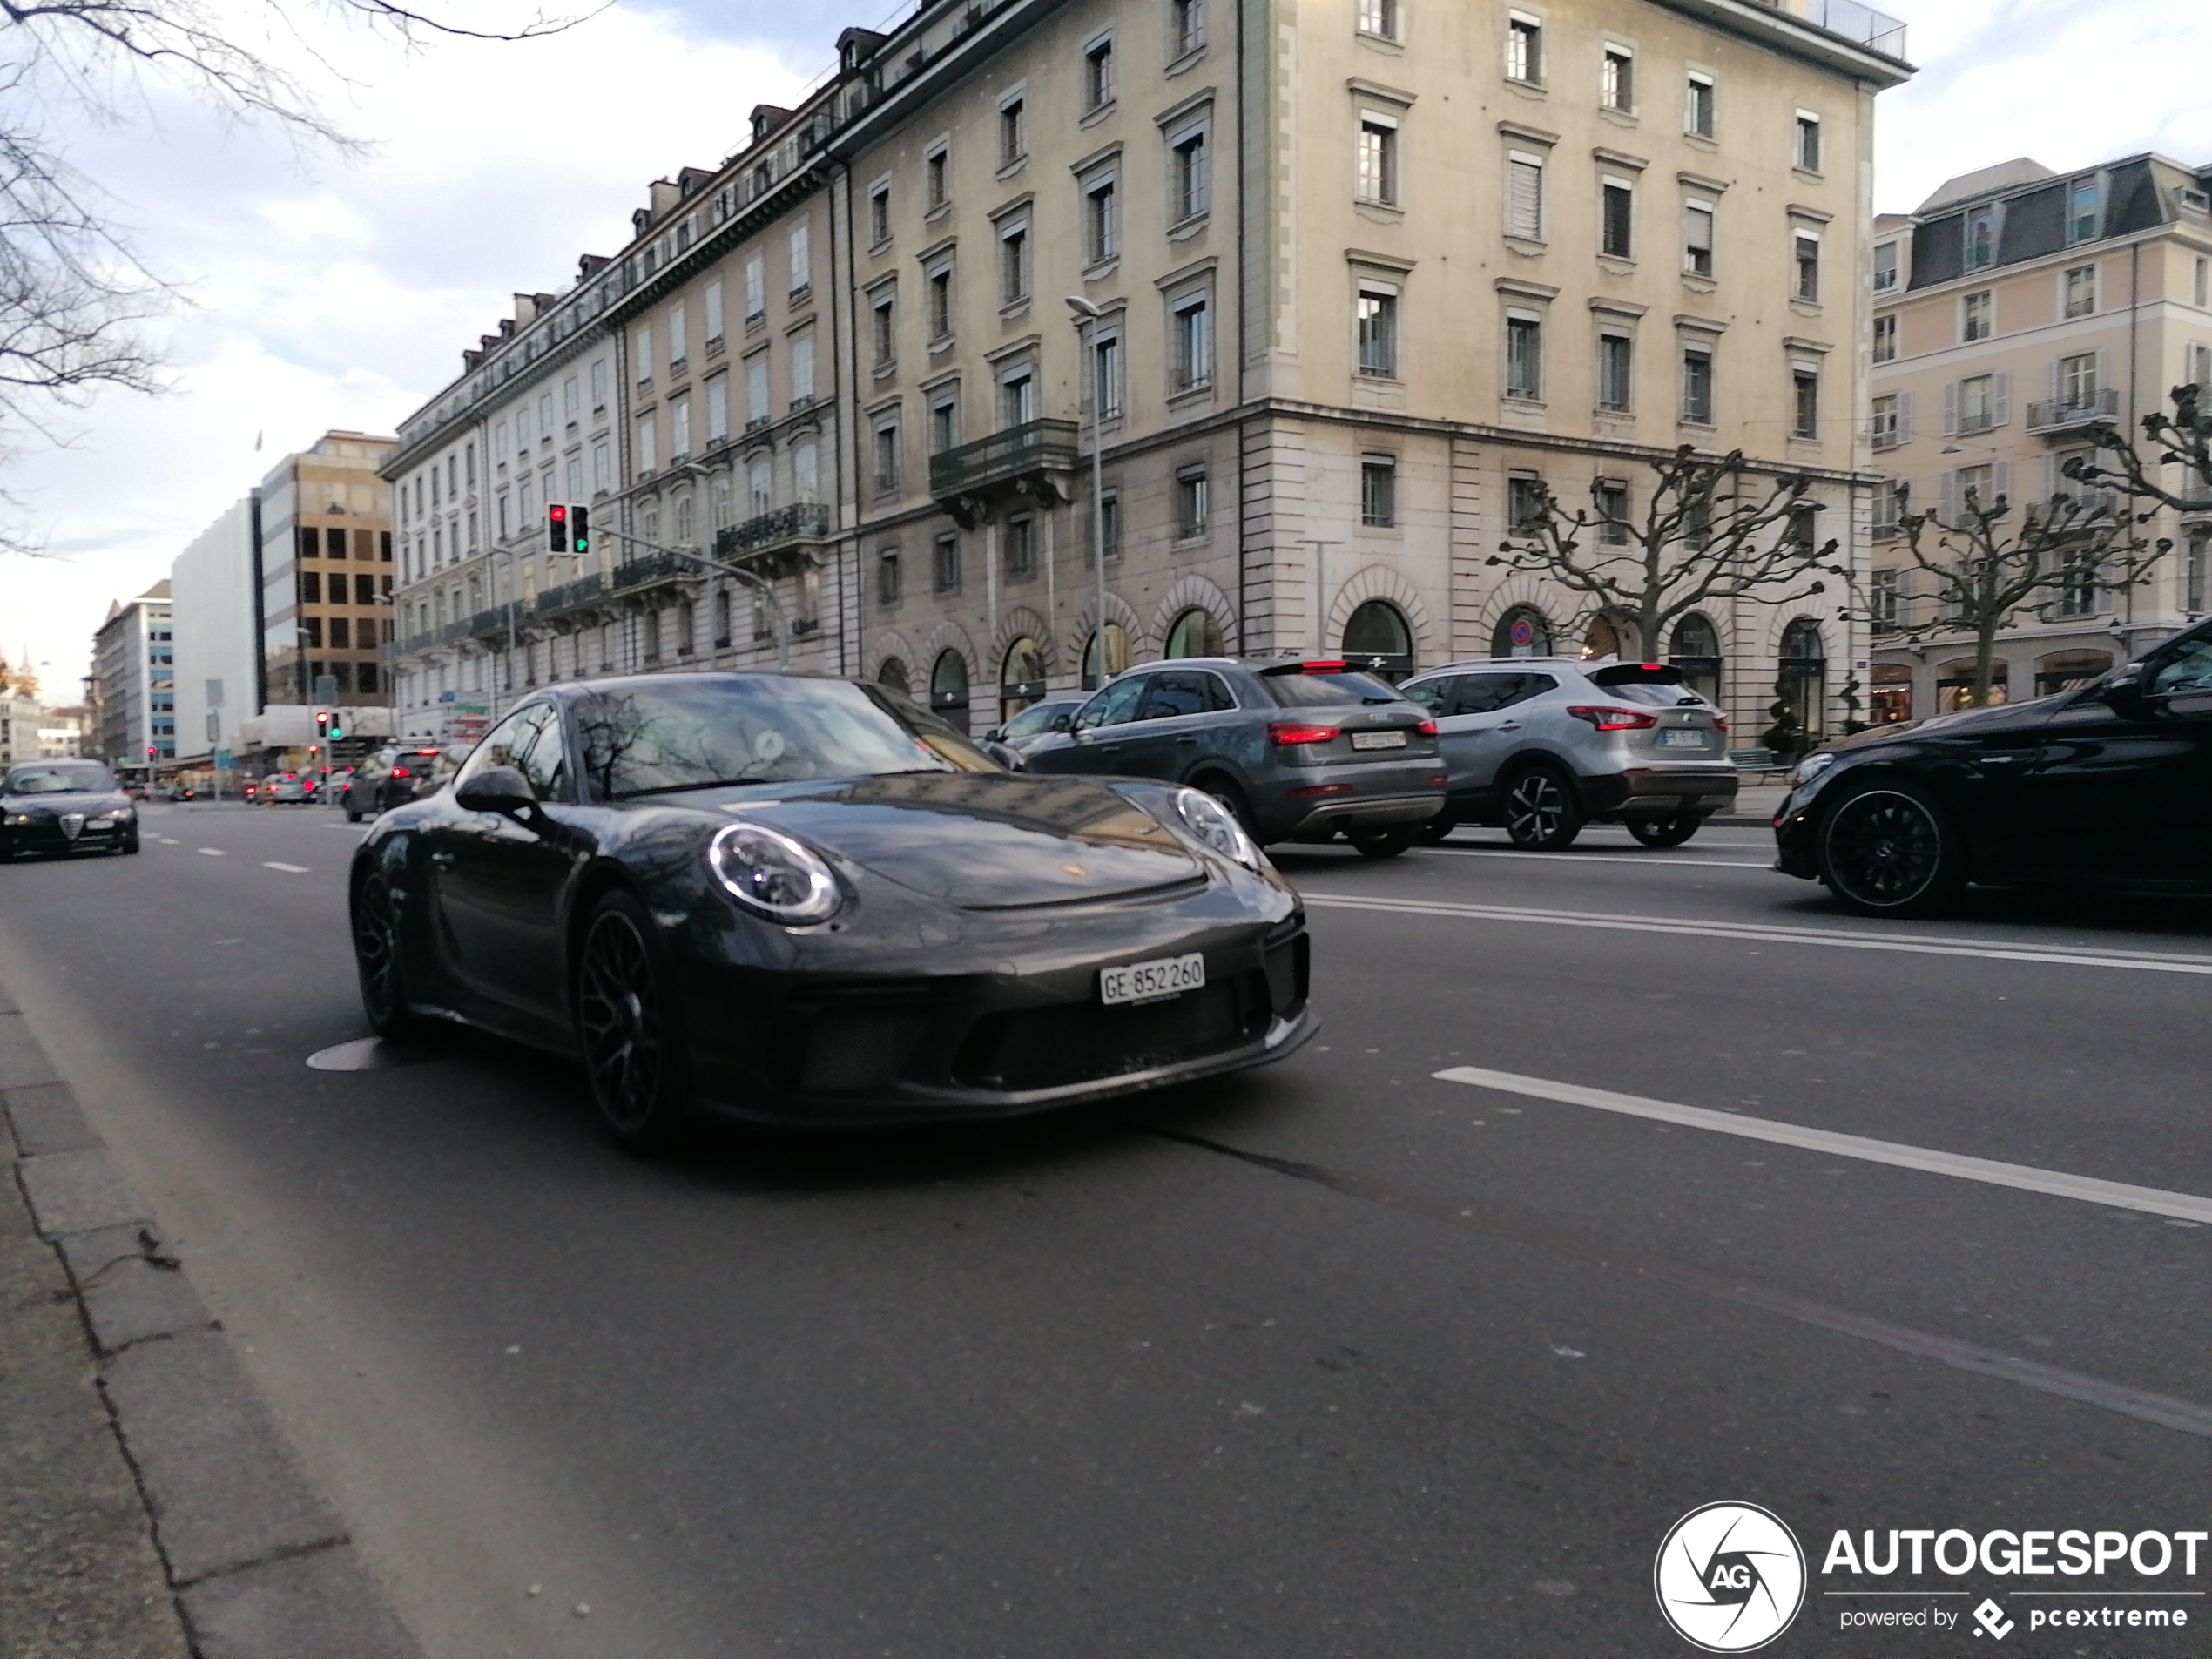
<point>2014,309</point>
<point>1353,277</point>
<point>322,521</point>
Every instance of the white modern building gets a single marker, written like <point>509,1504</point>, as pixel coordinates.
<point>213,595</point>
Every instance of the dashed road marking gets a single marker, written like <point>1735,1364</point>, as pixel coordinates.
<point>289,869</point>
<point>212,851</point>
<point>1625,857</point>
<point>166,840</point>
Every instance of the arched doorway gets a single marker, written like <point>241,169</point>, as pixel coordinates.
<point>1195,633</point>
<point>948,689</point>
<point>1606,637</point>
<point>1117,655</point>
<point>1696,652</point>
<point>2063,670</point>
<point>892,676</point>
<point>1522,631</point>
<point>1801,690</point>
<point>1020,677</point>
<point>1376,638</point>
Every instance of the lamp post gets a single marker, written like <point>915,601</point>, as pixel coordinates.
<point>1320,592</point>
<point>1087,317</point>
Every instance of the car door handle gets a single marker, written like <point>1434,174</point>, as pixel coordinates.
<point>2001,760</point>
<point>1188,737</point>
<point>444,861</point>
<point>1508,725</point>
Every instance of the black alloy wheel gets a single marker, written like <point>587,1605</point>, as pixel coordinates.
<point>1665,832</point>
<point>1888,850</point>
<point>376,960</point>
<point>1387,843</point>
<point>626,1019</point>
<point>1542,813</point>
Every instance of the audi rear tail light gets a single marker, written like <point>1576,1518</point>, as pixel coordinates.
<point>1427,728</point>
<point>1720,720</point>
<point>1288,734</point>
<point>1607,719</point>
<point>401,771</point>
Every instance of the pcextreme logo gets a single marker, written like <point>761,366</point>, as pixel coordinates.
<point>1729,1578</point>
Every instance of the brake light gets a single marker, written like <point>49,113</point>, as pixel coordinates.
<point>401,771</point>
<point>1286,734</point>
<point>1323,789</point>
<point>1720,720</point>
<point>1324,667</point>
<point>1427,728</point>
<point>1616,719</point>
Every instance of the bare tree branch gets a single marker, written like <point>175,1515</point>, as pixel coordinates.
<point>2183,439</point>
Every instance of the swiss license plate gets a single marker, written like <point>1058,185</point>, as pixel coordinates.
<point>1378,739</point>
<point>1150,981</point>
<point>1681,738</point>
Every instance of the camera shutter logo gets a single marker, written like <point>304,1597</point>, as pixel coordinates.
<point>1729,1578</point>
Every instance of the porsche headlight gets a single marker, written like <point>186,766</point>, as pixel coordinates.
<point>1810,768</point>
<point>773,875</point>
<point>1215,825</point>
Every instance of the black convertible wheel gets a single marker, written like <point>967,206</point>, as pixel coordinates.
<point>1665,832</point>
<point>1890,851</point>
<point>1541,812</point>
<point>376,959</point>
<point>625,1020</point>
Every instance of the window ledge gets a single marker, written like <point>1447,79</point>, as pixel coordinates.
<point>1197,538</point>
<point>1014,310</point>
<point>1614,417</point>
<point>713,349</point>
<point>1201,392</point>
<point>1007,169</point>
<point>1696,425</point>
<point>879,249</point>
<point>1102,269</point>
<point>1189,61</point>
<point>1806,307</point>
<point>885,370</point>
<point>1378,213</point>
<point>1184,229</point>
<point>942,210</point>
<point>799,295</point>
<point>1697,284</point>
<point>1522,402</point>
<point>1368,377</point>
<point>1809,175</point>
<point>1526,247</point>
<point>1621,117</point>
<point>1527,89</point>
<point>677,369</point>
<point>1701,141</point>
<point>1091,117</point>
<point>1614,265</point>
<point>1388,43</point>
<point>939,346</point>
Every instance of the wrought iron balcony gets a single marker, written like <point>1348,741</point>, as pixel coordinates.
<point>775,542</point>
<point>2071,414</point>
<point>1035,459</point>
<point>654,570</point>
<point>570,596</point>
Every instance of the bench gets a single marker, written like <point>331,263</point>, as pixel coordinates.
<point>1755,760</point>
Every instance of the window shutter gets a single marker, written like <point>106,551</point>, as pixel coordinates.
<point>2054,382</point>
<point>1951,408</point>
<point>2000,398</point>
<point>1904,417</point>
<point>1947,495</point>
<point>1525,200</point>
<point>2001,481</point>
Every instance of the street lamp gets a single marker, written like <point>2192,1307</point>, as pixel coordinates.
<point>1087,319</point>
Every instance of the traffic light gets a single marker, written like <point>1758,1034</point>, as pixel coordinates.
<point>580,528</point>
<point>314,749</point>
<point>322,723</point>
<point>556,527</point>
<point>151,752</point>
<point>337,725</point>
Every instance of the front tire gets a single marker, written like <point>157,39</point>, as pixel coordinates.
<point>1888,849</point>
<point>377,963</point>
<point>629,1028</point>
<point>1542,812</point>
<point>1384,843</point>
<point>1665,832</point>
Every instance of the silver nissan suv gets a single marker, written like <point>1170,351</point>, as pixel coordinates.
<point>1546,745</point>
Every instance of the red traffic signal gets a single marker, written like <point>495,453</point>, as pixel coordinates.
<point>556,527</point>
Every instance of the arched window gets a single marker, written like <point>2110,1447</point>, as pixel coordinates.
<point>948,689</point>
<point>1801,689</point>
<point>1376,638</point>
<point>1195,633</point>
<point>1696,652</point>
<point>1117,655</point>
<point>892,675</point>
<point>1522,631</point>
<point>1606,638</point>
<point>760,490</point>
<point>1020,677</point>
<point>684,536</point>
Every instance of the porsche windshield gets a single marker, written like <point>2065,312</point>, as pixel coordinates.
<point>700,734</point>
<point>67,778</point>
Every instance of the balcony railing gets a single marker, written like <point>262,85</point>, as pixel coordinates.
<point>1034,456</point>
<point>1861,25</point>
<point>2064,413</point>
<point>651,570</point>
<point>804,521</point>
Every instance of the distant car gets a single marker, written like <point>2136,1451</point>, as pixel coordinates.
<point>393,777</point>
<point>250,789</point>
<point>1040,720</point>
<point>2109,785</point>
<point>282,787</point>
<point>1546,745</point>
<point>1298,750</point>
<point>63,807</point>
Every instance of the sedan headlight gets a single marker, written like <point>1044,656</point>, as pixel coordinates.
<point>773,875</point>
<point>1215,825</point>
<point>119,815</point>
<point>1810,768</point>
<point>16,818</point>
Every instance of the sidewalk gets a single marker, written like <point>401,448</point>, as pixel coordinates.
<point>151,1509</point>
<point>1756,800</point>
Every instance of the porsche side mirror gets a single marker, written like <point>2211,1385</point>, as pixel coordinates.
<point>1063,721</point>
<point>2123,694</point>
<point>497,789</point>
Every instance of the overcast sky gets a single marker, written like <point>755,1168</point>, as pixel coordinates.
<point>320,293</point>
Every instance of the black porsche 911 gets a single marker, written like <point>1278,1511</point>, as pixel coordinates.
<point>797,899</point>
<point>63,807</point>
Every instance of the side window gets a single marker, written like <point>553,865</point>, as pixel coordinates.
<point>504,745</point>
<point>1485,693</point>
<point>1528,685</point>
<point>1218,695</point>
<point>2188,669</point>
<point>1116,705</point>
<point>542,759</point>
<point>1169,695</point>
<point>1435,696</point>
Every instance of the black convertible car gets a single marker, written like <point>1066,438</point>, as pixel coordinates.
<point>2110,785</point>
<point>800,900</point>
<point>64,807</point>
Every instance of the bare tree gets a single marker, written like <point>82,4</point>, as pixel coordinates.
<point>2183,439</point>
<point>1985,563</point>
<point>1714,529</point>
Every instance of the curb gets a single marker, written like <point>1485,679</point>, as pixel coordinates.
<point>255,1562</point>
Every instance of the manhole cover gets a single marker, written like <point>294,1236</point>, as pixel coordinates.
<point>368,1054</point>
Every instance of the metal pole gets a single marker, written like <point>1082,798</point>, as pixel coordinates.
<point>1097,492</point>
<point>1320,591</point>
<point>775,603</point>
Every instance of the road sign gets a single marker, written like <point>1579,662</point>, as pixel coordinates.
<point>326,688</point>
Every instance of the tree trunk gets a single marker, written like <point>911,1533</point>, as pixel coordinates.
<point>1985,660</point>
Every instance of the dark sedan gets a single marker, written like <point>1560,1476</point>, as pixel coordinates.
<point>800,900</point>
<point>64,807</point>
<point>2110,785</point>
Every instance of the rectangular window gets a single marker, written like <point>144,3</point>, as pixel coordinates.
<point>2078,380</point>
<point>1378,164</point>
<point>2203,293</point>
<point>1378,492</point>
<point>675,340</point>
<point>1106,375</point>
<point>1098,76</point>
<point>946,568</point>
<point>886,458</point>
<point>1610,502</point>
<point>1805,402</point>
<point>1190,503</point>
<point>1110,525</point>
<point>310,587</point>
<point>713,306</point>
<point>1978,315</point>
<point>935,179</point>
<point>1885,339</point>
<point>718,409</point>
<point>1378,324</point>
<point>1020,547</point>
<point>1014,131</point>
<point>941,303</point>
<point>341,633</point>
<point>886,336</point>
<point>1524,502</point>
<point>1102,222</point>
<point>756,390</point>
<point>1617,80</point>
<point>756,289</point>
<point>1808,152</point>
<point>887,576</point>
<point>1524,357</point>
<point>1886,268</point>
<point>2081,291</point>
<point>1018,399</point>
<point>647,456</point>
<point>602,479</point>
<point>1524,50</point>
<point>1699,107</point>
<point>1616,359</point>
<point>880,215</point>
<point>802,369</point>
<point>1617,212</point>
<point>1186,26</point>
<point>799,248</point>
<point>679,428</point>
<point>572,406</point>
<point>2194,573</point>
<point>641,352</point>
<point>1805,259</point>
<point>1698,238</point>
<point>1187,176</point>
<point>1014,264</point>
<point>1191,340</point>
<point>1888,423</point>
<point>1378,17</point>
<point>1697,386</point>
<point>598,391</point>
<point>944,425</point>
<point>2083,204</point>
<point>1525,196</point>
<point>1978,403</point>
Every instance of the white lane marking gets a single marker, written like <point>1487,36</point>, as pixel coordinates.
<point>1921,945</point>
<point>166,840</point>
<point>289,869</point>
<point>2055,1182</point>
<point>1625,856</point>
<point>212,851</point>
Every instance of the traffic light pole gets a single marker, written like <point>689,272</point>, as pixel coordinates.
<point>775,604</point>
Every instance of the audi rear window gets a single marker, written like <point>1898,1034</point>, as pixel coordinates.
<point>1326,691</point>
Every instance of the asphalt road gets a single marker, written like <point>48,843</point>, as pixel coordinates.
<point>1336,1358</point>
